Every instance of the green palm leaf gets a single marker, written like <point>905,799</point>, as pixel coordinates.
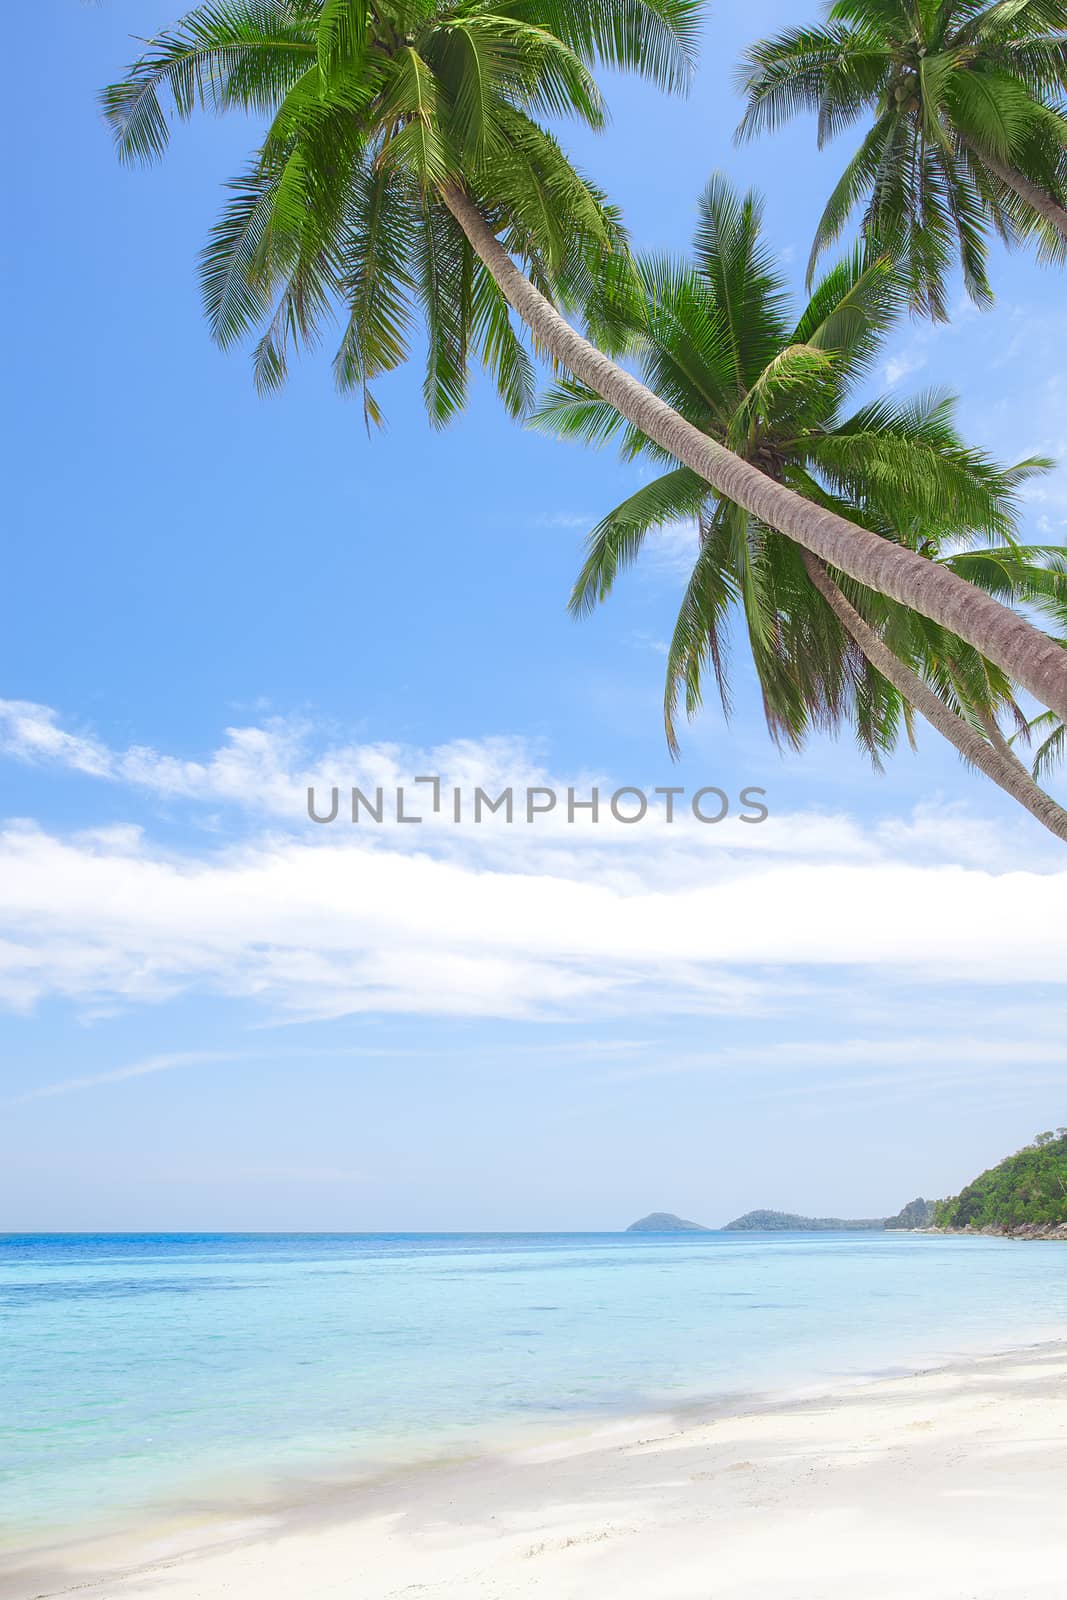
<point>244,53</point>
<point>616,541</point>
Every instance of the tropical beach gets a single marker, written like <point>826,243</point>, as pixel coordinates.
<point>488,1413</point>
<point>945,1484</point>
<point>533,695</point>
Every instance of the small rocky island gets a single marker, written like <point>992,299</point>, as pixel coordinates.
<point>665,1222</point>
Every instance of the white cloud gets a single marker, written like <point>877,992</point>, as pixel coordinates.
<point>32,733</point>
<point>672,550</point>
<point>255,766</point>
<point>541,920</point>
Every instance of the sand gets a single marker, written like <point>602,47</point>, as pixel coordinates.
<point>943,1485</point>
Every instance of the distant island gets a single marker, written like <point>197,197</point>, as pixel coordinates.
<point>787,1221</point>
<point>665,1222</point>
<point>916,1214</point>
<point>1024,1196</point>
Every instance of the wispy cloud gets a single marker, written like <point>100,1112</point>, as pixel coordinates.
<point>903,364</point>
<point>565,519</point>
<point>647,641</point>
<point>136,1069</point>
<point>944,1058</point>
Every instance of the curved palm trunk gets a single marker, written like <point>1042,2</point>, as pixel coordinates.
<point>1040,199</point>
<point>1028,656</point>
<point>1006,770</point>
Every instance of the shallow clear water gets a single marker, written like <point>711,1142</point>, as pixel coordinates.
<point>136,1369</point>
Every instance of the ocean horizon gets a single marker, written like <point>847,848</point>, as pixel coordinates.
<point>142,1372</point>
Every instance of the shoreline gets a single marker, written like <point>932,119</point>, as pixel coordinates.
<point>678,1504</point>
<point>1036,1232</point>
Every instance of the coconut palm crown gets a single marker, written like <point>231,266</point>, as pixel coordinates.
<point>966,126</point>
<point>375,108</point>
<point>715,337</point>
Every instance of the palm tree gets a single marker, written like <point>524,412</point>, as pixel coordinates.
<point>394,121</point>
<point>715,338</point>
<point>967,126</point>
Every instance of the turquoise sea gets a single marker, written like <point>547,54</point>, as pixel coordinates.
<point>141,1372</point>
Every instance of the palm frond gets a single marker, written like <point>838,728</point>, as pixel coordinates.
<point>502,351</point>
<point>234,293</point>
<point>442,270</point>
<point>734,258</point>
<point>377,280</point>
<point>1052,750</point>
<point>833,71</point>
<point>656,38</point>
<point>245,53</point>
<point>341,37</point>
<point>699,639</point>
<point>571,411</point>
<point>861,175</point>
<point>616,541</point>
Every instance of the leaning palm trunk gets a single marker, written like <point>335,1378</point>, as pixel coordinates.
<point>1028,656</point>
<point>1036,197</point>
<point>1002,766</point>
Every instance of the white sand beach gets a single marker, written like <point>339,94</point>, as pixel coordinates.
<point>943,1485</point>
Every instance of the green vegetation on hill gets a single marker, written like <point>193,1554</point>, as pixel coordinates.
<point>1028,1187</point>
<point>916,1214</point>
<point>782,1221</point>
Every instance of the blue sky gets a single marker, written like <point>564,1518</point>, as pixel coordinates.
<point>214,1014</point>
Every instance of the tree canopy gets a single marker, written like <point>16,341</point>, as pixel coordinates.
<point>374,110</point>
<point>965,132</point>
<point>717,338</point>
<point>1028,1187</point>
